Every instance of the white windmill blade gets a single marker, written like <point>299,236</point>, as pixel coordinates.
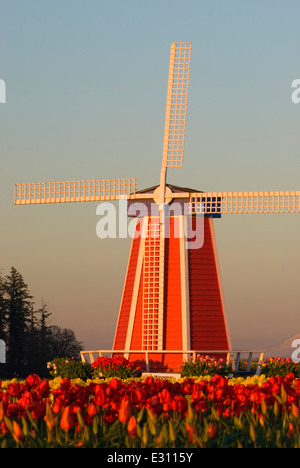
<point>74,191</point>
<point>214,203</point>
<point>177,96</point>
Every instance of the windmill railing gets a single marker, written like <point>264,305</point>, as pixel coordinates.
<point>233,357</point>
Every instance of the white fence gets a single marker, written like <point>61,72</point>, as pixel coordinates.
<point>232,357</point>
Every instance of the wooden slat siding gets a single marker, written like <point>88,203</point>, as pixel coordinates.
<point>122,325</point>
<point>136,342</point>
<point>172,303</point>
<point>172,338</point>
<point>156,360</point>
<point>207,323</point>
<point>208,330</point>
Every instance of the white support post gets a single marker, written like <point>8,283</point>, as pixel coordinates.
<point>249,362</point>
<point>137,280</point>
<point>259,365</point>
<point>184,280</point>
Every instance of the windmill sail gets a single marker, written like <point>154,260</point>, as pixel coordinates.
<point>74,191</point>
<point>177,96</point>
<point>212,203</point>
<point>176,107</point>
<point>173,146</point>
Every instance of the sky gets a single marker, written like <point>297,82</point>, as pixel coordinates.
<point>86,84</point>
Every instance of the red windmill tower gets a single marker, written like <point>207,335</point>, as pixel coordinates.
<point>172,299</point>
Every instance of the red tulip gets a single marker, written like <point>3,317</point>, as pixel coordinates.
<point>3,428</point>
<point>17,432</point>
<point>295,410</point>
<point>66,421</point>
<point>57,405</point>
<point>124,411</point>
<point>100,397</point>
<point>92,409</point>
<point>33,380</point>
<point>132,427</point>
<point>192,432</point>
<point>44,388</point>
<point>290,431</point>
<point>1,410</point>
<point>212,430</point>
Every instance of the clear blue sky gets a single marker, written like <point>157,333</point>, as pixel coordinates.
<point>86,92</point>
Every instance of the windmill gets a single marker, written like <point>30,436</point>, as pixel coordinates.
<point>172,297</point>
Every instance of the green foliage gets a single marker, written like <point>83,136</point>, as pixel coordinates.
<point>203,365</point>
<point>70,368</point>
<point>117,366</point>
<point>278,366</point>
<point>103,367</point>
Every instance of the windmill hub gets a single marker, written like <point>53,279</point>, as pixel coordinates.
<point>157,196</point>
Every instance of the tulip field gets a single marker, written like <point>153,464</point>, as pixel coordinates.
<point>147,412</point>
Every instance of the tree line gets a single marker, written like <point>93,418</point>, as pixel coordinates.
<point>31,341</point>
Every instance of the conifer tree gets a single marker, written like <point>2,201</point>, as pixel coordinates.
<point>2,311</point>
<point>18,304</point>
<point>30,340</point>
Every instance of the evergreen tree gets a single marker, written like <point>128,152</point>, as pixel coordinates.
<point>18,305</point>
<point>30,341</point>
<point>44,330</point>
<point>2,310</point>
